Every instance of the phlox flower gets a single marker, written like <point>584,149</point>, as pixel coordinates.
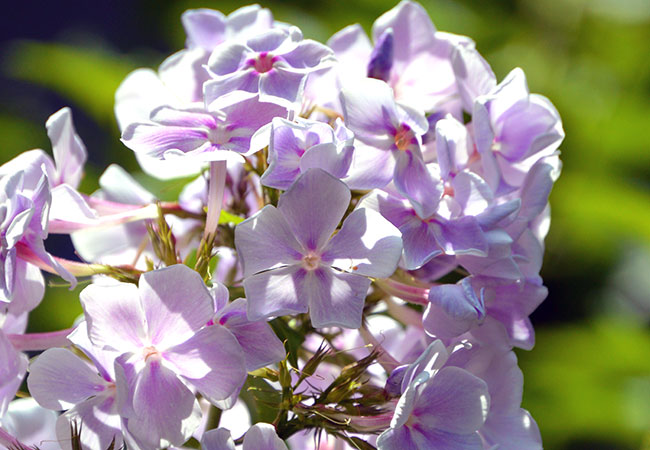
<point>513,129</point>
<point>24,219</point>
<point>273,64</point>
<point>60,380</point>
<point>293,264</point>
<point>220,135</point>
<point>165,348</point>
<point>298,146</point>
<point>391,135</point>
<point>440,407</point>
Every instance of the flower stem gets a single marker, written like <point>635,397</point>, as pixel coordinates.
<point>216,189</point>
<point>384,358</point>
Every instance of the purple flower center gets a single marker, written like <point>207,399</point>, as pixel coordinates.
<point>149,352</point>
<point>311,261</point>
<point>404,137</point>
<point>264,62</point>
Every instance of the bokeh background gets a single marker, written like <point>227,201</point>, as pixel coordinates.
<point>587,381</point>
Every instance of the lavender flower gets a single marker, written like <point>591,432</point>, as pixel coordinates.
<point>298,146</point>
<point>273,64</point>
<point>439,407</point>
<point>164,346</point>
<point>309,269</point>
<point>218,136</point>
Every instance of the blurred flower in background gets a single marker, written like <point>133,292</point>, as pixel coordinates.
<point>588,380</point>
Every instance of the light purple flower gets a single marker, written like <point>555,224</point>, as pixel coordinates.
<point>24,216</point>
<point>440,407</point>
<point>513,129</point>
<point>60,380</point>
<point>292,263</point>
<point>261,436</point>
<point>487,354</point>
<point>453,309</point>
<point>408,54</point>
<point>207,28</point>
<point>392,136</point>
<point>259,343</point>
<point>274,64</point>
<point>298,146</point>
<point>221,135</point>
<point>159,330</point>
<point>429,236</point>
<point>69,155</point>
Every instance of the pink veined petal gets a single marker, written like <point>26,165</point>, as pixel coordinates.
<point>335,298</point>
<point>156,140</point>
<point>231,89</point>
<point>370,168</point>
<point>454,309</point>
<point>400,438</point>
<point>205,28</point>
<point>98,421</point>
<point>276,292</point>
<point>33,163</point>
<point>367,244</point>
<point>313,207</point>
<point>258,341</point>
<point>176,303</point>
<point>263,436</point>
<point>282,86</point>
<point>172,117</point>
<point>103,359</point>
<point>413,180</point>
<point>473,74</point>
<point>334,159</point>
<point>309,55</point>
<point>217,439</point>
<point>420,244</point>
<point>453,401</point>
<point>211,361</point>
<point>228,58</point>
<point>265,241</point>
<point>29,287</point>
<point>248,21</point>
<point>59,379</point>
<point>12,371</point>
<point>461,236</point>
<point>414,32</point>
<point>115,316</point>
<point>352,48</point>
<point>166,412</point>
<point>141,91</point>
<point>69,151</point>
<point>370,112</point>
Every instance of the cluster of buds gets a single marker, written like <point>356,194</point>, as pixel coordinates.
<point>350,267</point>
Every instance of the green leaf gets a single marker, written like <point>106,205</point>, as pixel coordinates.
<point>226,217</point>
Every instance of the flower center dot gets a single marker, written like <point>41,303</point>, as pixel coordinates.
<point>264,62</point>
<point>311,261</point>
<point>403,137</point>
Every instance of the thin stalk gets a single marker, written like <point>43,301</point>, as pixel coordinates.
<point>216,188</point>
<point>78,269</point>
<point>384,358</point>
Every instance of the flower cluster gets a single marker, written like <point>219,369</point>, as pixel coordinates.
<point>352,263</point>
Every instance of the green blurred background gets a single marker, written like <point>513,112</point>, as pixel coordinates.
<point>587,381</point>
